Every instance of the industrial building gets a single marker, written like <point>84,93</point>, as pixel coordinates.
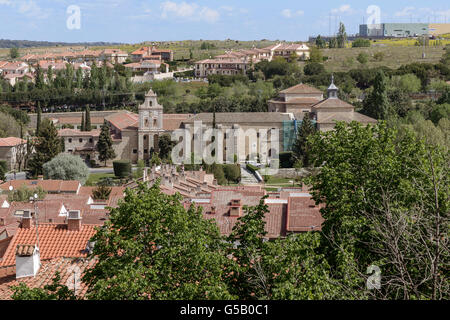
<point>403,30</point>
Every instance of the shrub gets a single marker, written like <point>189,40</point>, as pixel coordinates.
<point>232,172</point>
<point>379,56</point>
<point>287,159</point>
<point>358,43</point>
<point>101,192</point>
<point>66,167</point>
<point>363,58</point>
<point>313,68</point>
<point>122,168</point>
<point>251,168</point>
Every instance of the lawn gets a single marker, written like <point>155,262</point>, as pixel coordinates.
<point>94,178</point>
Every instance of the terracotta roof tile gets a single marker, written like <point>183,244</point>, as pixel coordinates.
<point>64,266</point>
<point>11,142</point>
<point>55,240</point>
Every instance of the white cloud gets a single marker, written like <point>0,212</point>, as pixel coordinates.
<point>287,13</point>
<point>191,11</point>
<point>209,15</point>
<point>226,8</point>
<point>345,8</point>
<point>424,14</point>
<point>407,11</point>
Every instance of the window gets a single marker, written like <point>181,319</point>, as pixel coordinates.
<point>70,140</point>
<point>91,140</point>
<point>70,150</point>
<point>145,151</point>
<point>81,140</point>
<point>134,151</point>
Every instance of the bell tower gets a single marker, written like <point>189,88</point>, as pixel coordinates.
<point>150,125</point>
<point>332,89</point>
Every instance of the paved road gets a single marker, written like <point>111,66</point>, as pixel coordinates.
<point>23,176</point>
<point>19,176</point>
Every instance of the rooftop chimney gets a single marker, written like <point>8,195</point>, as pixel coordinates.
<point>27,260</point>
<point>74,220</point>
<point>235,208</point>
<point>27,221</point>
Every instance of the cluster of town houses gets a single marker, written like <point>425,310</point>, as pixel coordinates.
<point>64,221</point>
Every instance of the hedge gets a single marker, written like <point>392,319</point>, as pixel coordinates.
<point>251,168</point>
<point>122,168</point>
<point>287,159</point>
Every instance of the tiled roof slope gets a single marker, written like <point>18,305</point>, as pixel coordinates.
<point>55,240</point>
<point>64,266</point>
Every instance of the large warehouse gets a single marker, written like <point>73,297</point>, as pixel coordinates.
<point>403,30</point>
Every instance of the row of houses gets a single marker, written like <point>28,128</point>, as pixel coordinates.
<point>53,235</point>
<point>238,62</point>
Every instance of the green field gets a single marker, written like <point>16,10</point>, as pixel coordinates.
<point>394,56</point>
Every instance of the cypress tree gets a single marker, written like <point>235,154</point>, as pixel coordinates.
<point>377,104</point>
<point>301,147</point>
<point>38,121</point>
<point>87,126</point>
<point>47,147</point>
<point>104,145</point>
<point>83,123</point>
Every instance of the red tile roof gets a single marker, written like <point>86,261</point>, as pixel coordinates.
<point>55,241</point>
<point>303,215</point>
<point>64,266</point>
<point>52,186</point>
<point>11,142</point>
<point>301,88</point>
<point>124,120</point>
<point>78,133</point>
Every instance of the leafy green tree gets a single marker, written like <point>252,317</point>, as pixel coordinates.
<point>301,147</point>
<point>8,126</point>
<point>341,37</point>
<point>24,193</point>
<point>165,145</point>
<point>104,144</point>
<point>376,104</point>
<point>101,192</point>
<point>313,68</point>
<point>47,146</point>
<point>39,78</point>
<point>14,53</point>
<point>332,43</point>
<point>66,167</point>
<point>320,43</point>
<point>385,206</point>
<point>53,291</point>
<point>153,248</point>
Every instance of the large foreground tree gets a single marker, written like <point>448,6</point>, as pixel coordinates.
<point>386,202</point>
<point>153,248</point>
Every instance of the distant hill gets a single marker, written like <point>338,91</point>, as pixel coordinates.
<point>5,43</point>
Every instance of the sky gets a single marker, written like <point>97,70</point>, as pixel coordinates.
<point>134,21</point>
